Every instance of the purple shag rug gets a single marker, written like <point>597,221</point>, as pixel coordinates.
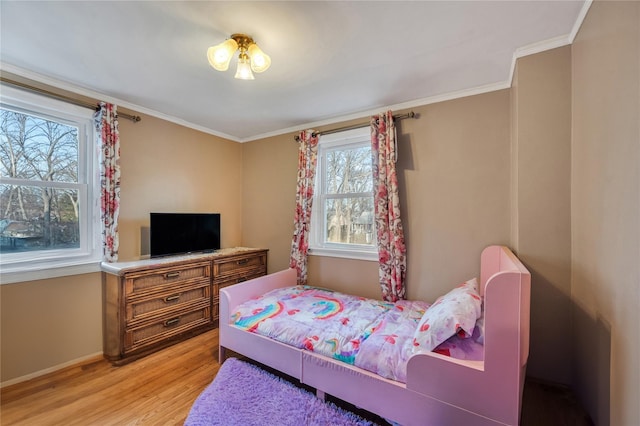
<point>243,394</point>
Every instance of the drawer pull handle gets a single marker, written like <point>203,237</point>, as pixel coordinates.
<point>242,279</point>
<point>172,298</point>
<point>171,275</point>
<point>242,261</point>
<point>171,321</point>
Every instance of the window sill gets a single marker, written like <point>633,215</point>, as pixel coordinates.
<point>37,273</point>
<point>345,254</point>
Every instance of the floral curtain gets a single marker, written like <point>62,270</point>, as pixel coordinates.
<point>307,159</point>
<point>391,247</point>
<point>106,122</point>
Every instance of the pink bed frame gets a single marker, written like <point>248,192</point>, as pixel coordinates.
<point>440,390</point>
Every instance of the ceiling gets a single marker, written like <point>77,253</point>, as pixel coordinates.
<point>331,60</point>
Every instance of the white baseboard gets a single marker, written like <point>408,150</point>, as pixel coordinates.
<point>50,370</point>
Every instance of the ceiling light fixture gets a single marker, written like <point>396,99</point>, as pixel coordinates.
<point>251,57</point>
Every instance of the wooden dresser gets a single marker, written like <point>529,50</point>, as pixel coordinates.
<point>152,303</point>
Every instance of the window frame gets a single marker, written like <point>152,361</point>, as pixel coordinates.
<point>42,264</point>
<point>317,244</point>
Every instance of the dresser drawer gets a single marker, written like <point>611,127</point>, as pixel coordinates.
<point>160,304</point>
<point>157,279</point>
<point>164,328</point>
<point>240,267</point>
<point>240,276</point>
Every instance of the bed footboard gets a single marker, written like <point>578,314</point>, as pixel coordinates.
<point>269,352</point>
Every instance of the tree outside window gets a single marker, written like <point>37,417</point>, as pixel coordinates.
<point>40,210</point>
<point>348,195</point>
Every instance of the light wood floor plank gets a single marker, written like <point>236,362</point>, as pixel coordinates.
<point>156,390</point>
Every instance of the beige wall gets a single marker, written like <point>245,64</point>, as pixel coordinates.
<point>48,323</point>
<point>606,211</point>
<point>170,168</point>
<point>268,196</point>
<point>454,165</point>
<point>541,210</point>
<point>453,203</point>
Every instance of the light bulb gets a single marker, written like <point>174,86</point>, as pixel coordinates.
<point>220,55</point>
<point>260,61</point>
<point>244,70</point>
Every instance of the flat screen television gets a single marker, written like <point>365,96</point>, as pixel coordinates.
<point>180,233</point>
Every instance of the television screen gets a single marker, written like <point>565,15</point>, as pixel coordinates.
<point>179,233</point>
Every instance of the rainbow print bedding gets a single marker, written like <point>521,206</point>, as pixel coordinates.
<point>374,335</point>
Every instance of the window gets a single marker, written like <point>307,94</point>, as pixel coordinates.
<point>342,221</point>
<point>48,204</point>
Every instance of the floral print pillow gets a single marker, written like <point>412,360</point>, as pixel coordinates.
<point>454,313</point>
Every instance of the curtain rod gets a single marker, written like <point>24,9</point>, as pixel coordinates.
<point>410,114</point>
<point>134,118</point>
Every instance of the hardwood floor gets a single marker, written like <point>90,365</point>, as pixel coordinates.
<point>156,390</point>
<point>160,389</point>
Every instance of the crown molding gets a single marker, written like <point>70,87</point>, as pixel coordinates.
<point>579,20</point>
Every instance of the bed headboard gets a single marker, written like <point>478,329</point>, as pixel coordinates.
<point>504,279</point>
<point>496,259</point>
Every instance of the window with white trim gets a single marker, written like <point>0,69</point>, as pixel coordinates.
<point>49,220</point>
<point>342,220</point>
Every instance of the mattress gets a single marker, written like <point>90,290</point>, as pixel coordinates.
<point>371,334</point>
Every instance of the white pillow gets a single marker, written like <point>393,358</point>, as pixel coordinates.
<point>454,313</point>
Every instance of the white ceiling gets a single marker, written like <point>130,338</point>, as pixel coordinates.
<point>331,60</point>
